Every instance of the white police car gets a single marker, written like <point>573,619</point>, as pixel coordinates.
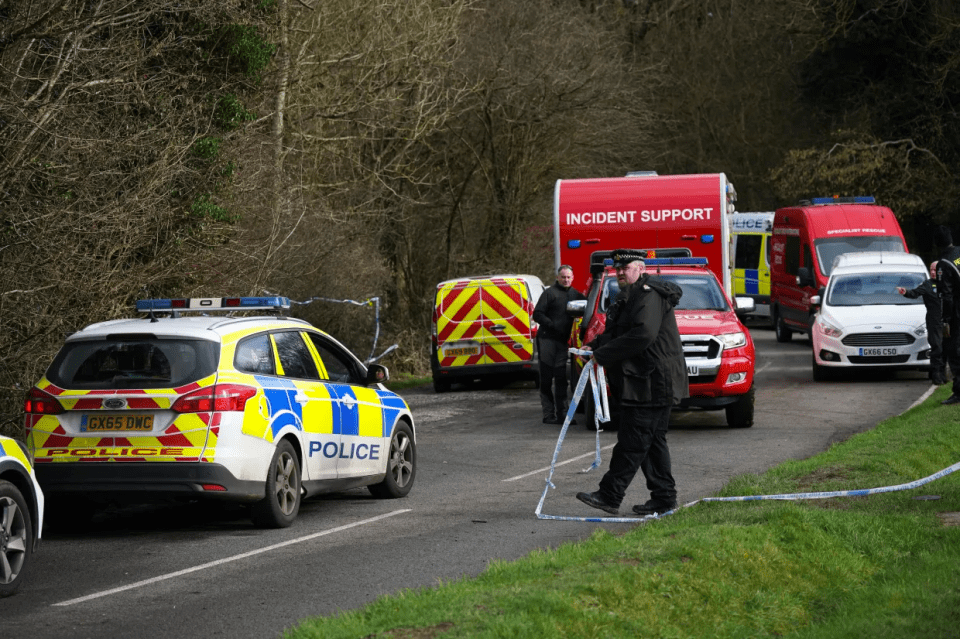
<point>195,402</point>
<point>21,514</point>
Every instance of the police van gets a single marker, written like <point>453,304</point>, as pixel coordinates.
<point>483,327</point>
<point>750,237</point>
<point>197,400</point>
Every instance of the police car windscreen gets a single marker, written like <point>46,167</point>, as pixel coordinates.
<point>871,289</point>
<point>137,363</point>
<point>828,249</point>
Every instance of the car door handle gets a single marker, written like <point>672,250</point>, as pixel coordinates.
<point>348,401</point>
<point>498,327</point>
<point>301,398</point>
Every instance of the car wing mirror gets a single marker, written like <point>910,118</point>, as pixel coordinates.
<point>744,305</point>
<point>376,374</point>
<point>576,308</point>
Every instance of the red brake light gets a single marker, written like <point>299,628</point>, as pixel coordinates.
<point>41,403</point>
<point>219,398</point>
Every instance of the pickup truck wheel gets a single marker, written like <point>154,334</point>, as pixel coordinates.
<point>783,333</point>
<point>740,413</point>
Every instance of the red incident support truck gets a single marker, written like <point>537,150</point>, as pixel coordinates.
<point>643,209</point>
<point>807,238</point>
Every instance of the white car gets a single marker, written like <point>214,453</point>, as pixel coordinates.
<point>864,322</point>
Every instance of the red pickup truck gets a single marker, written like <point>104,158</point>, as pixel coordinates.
<point>716,345</point>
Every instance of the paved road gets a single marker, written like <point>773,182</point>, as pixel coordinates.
<point>193,571</point>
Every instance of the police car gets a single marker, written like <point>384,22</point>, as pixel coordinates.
<point>193,401</point>
<point>21,514</point>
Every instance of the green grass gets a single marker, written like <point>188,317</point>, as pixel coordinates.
<point>407,381</point>
<point>877,566</point>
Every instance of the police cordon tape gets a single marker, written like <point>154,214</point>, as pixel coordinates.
<point>595,375</point>
<point>374,302</point>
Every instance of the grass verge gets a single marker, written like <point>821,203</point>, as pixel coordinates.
<point>884,565</point>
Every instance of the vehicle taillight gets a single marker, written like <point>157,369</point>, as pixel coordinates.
<point>220,398</point>
<point>41,403</point>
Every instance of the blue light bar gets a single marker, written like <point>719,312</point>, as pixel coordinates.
<point>220,304</point>
<point>859,199</point>
<point>676,261</point>
<point>573,244</point>
<point>706,239</point>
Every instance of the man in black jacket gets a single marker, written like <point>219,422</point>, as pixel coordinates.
<point>948,278</point>
<point>552,337</point>
<point>641,351</point>
<point>931,300</point>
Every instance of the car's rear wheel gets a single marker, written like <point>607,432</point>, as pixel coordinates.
<point>401,465</point>
<point>740,413</point>
<point>16,538</point>
<point>281,504</point>
<point>783,333</point>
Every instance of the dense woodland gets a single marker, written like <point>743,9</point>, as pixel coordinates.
<point>345,150</point>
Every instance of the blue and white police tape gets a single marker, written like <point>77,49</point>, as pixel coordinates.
<point>374,302</point>
<point>841,493</point>
<point>595,374</point>
<point>598,385</point>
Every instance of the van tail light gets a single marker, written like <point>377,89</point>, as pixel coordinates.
<point>38,402</point>
<point>218,398</point>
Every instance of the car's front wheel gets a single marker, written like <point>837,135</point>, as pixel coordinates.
<point>740,413</point>
<point>401,465</point>
<point>16,538</point>
<point>281,504</point>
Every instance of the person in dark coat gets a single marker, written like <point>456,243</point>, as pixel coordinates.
<point>641,351</point>
<point>931,300</point>
<point>552,337</point>
<point>948,280</point>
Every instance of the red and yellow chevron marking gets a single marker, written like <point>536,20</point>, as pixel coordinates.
<point>188,438</point>
<point>468,313</point>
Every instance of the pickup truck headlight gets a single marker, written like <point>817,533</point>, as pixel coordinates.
<point>921,330</point>
<point>733,340</point>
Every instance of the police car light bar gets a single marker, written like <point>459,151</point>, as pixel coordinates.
<point>201,304</point>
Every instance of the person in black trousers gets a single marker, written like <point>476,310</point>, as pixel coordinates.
<point>931,300</point>
<point>553,334</point>
<point>948,280</point>
<point>641,351</point>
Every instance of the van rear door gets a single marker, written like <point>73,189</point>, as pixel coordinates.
<point>506,311</point>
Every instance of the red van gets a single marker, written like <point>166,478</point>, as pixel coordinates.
<point>807,238</point>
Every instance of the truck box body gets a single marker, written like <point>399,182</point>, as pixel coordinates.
<point>808,238</point>
<point>653,211</point>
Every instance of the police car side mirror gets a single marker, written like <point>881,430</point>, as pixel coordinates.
<point>376,374</point>
<point>576,308</point>
<point>815,300</point>
<point>744,305</point>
